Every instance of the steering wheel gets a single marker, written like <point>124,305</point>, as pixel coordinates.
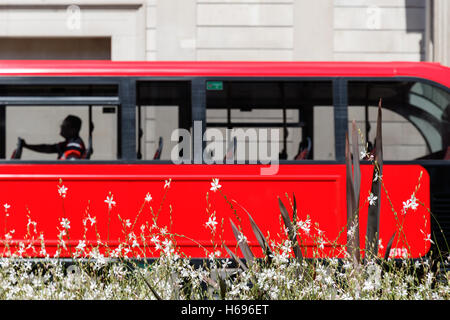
<point>17,153</point>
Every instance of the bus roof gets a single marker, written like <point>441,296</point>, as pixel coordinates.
<point>426,70</point>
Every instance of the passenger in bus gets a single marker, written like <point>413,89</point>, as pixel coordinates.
<point>304,149</point>
<point>71,148</point>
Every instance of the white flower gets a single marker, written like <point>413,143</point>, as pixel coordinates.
<point>225,263</point>
<point>215,185</point>
<point>242,238</point>
<point>406,205</point>
<point>363,154</point>
<point>155,239</point>
<point>81,245</point>
<point>148,197</point>
<point>305,225</point>
<point>131,235</point>
<point>411,203</point>
<point>414,205</point>
<point>6,206</point>
<point>380,245</point>
<point>372,199</point>
<point>21,249</point>
<point>211,256</point>
<point>352,230</point>
<point>319,232</point>
<point>167,244</point>
<point>128,223</point>
<point>377,177</point>
<point>427,237</point>
<point>321,243</point>
<point>158,246</point>
<point>62,191</point>
<point>211,222</point>
<point>214,255</point>
<point>167,183</point>
<point>65,223</point>
<point>91,220</point>
<point>110,202</point>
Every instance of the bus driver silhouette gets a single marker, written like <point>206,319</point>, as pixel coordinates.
<point>71,149</point>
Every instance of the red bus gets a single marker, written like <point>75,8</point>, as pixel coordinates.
<point>132,112</point>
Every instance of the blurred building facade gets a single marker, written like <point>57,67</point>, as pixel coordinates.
<point>281,30</point>
<point>246,30</point>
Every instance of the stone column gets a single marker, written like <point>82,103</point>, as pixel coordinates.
<point>441,32</point>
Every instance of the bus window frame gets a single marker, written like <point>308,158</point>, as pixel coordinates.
<point>120,101</point>
<point>401,79</point>
<point>339,98</point>
<point>127,111</point>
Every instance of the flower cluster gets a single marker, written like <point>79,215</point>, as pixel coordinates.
<point>108,273</point>
<point>410,204</point>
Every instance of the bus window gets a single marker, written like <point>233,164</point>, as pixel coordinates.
<point>415,117</point>
<point>34,114</point>
<point>162,108</point>
<point>41,125</point>
<point>254,120</point>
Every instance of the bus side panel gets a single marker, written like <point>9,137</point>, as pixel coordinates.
<point>412,225</point>
<point>106,204</point>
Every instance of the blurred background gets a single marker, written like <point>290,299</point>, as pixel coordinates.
<point>277,30</point>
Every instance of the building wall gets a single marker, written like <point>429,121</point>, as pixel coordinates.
<point>379,30</point>
<point>440,32</point>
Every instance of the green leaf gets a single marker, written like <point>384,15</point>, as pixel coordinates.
<point>261,239</point>
<point>291,231</point>
<point>294,215</point>
<point>373,216</point>
<point>236,258</point>
<point>389,245</point>
<point>243,245</point>
<point>352,209</point>
<point>356,167</point>
<point>222,286</point>
<point>157,296</point>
